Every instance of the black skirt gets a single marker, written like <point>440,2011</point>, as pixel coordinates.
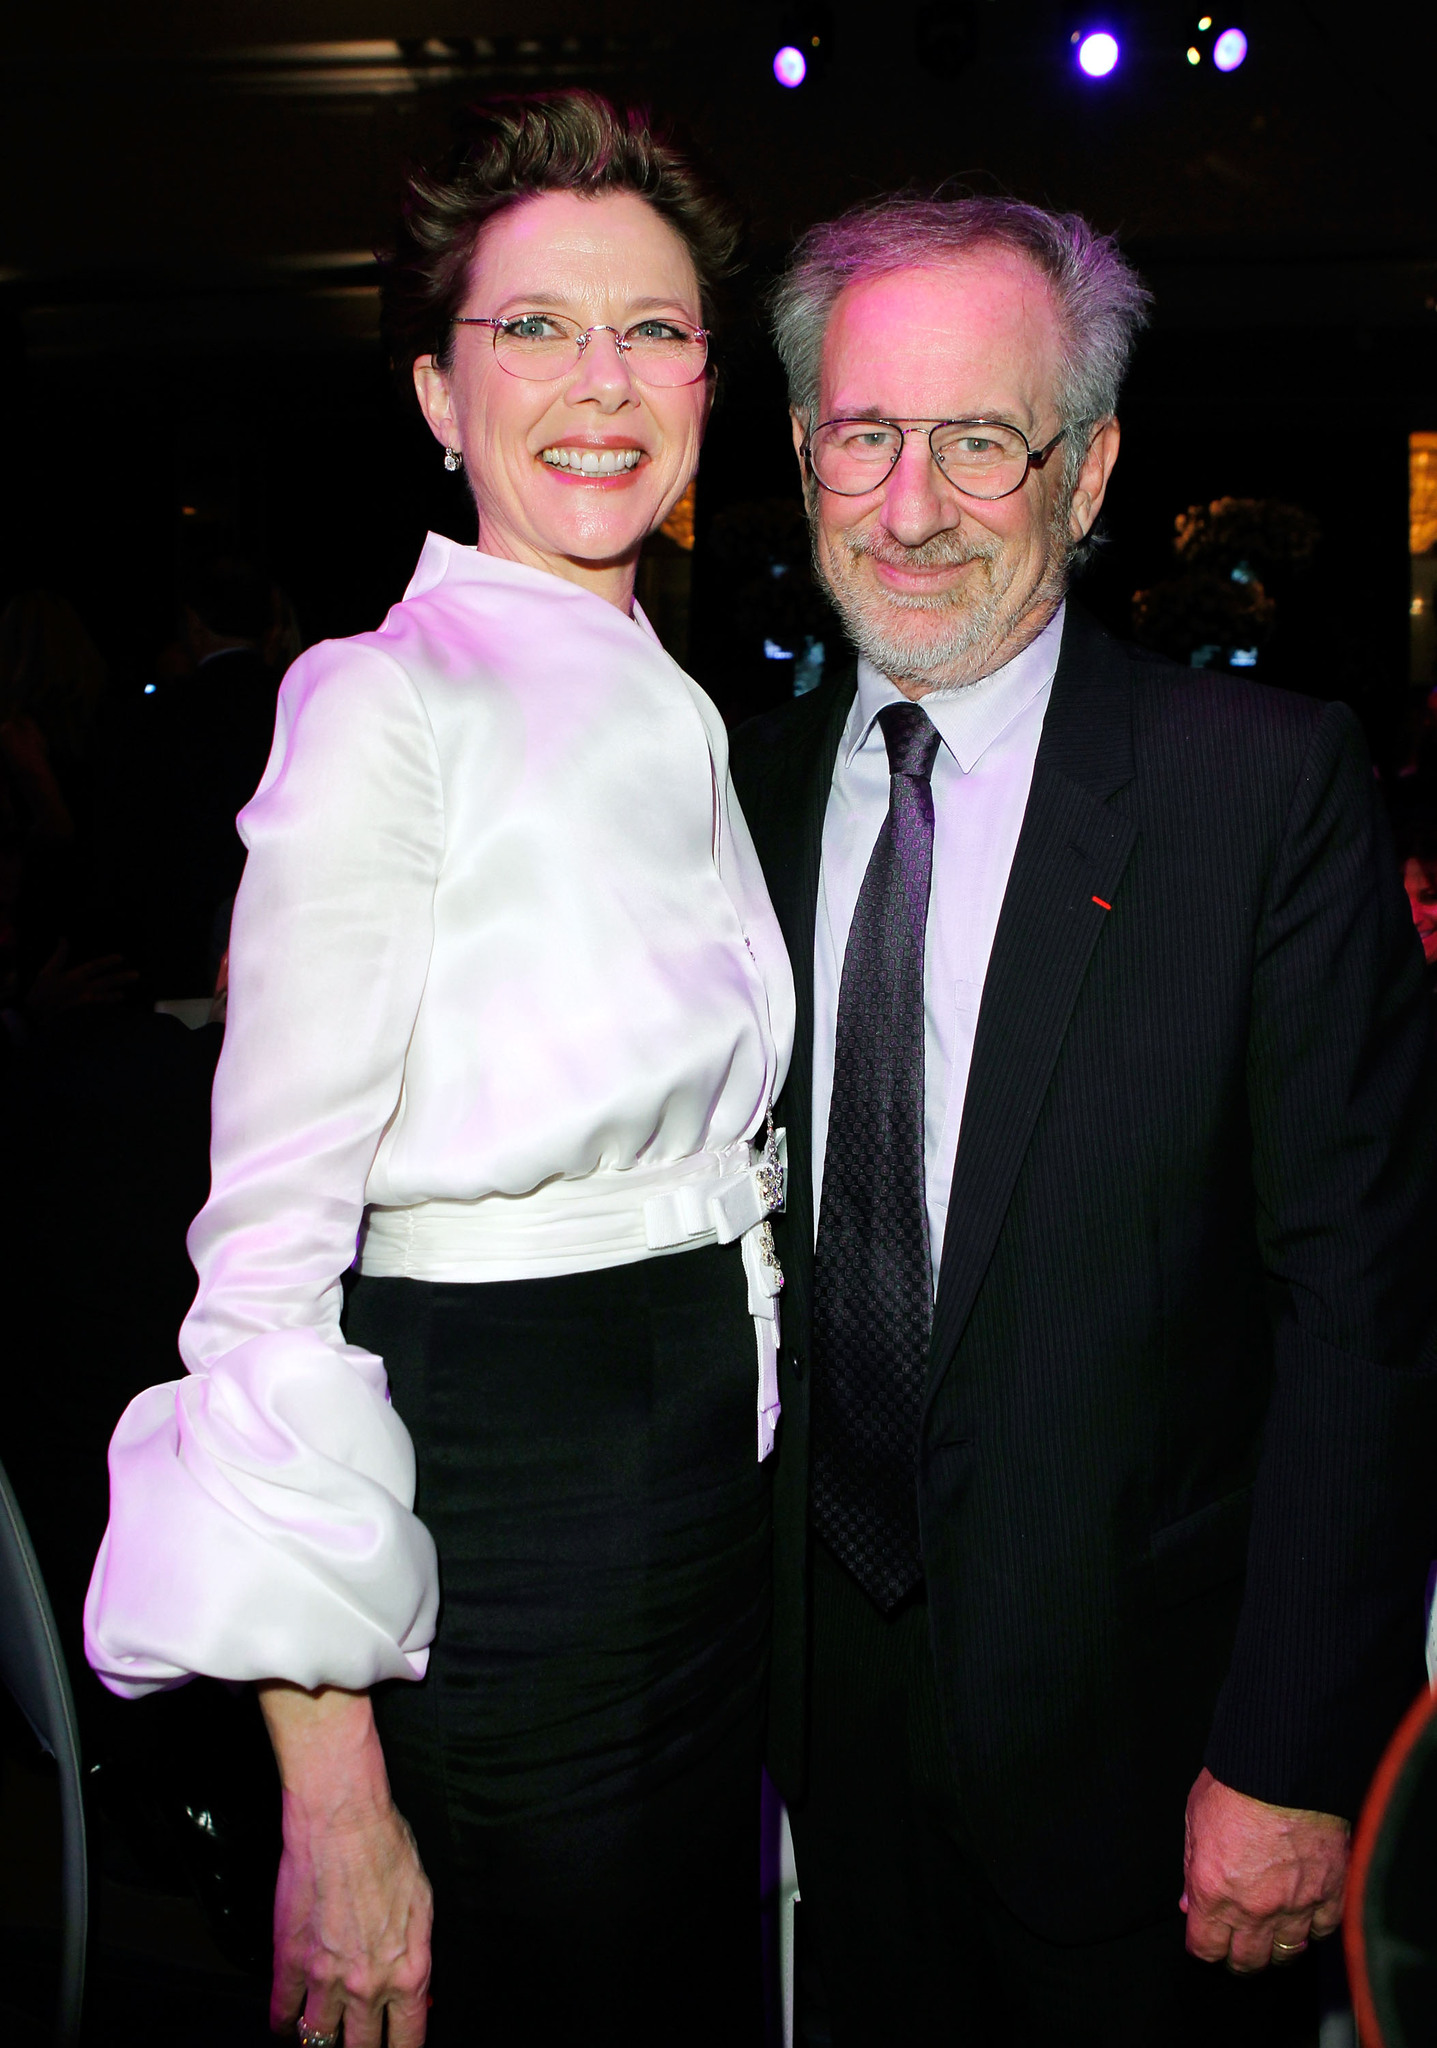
<point>581,1765</point>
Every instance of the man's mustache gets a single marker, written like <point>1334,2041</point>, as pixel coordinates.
<point>943,551</point>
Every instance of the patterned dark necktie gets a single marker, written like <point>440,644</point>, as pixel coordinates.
<point>873,1285</point>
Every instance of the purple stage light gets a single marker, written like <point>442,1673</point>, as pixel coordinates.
<point>1229,49</point>
<point>790,66</point>
<point>1098,54</point>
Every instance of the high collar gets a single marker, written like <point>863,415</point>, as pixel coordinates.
<point>444,562</point>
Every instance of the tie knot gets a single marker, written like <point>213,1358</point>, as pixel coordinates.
<point>911,738</point>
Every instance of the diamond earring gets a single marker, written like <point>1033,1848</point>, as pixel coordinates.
<point>453,460</point>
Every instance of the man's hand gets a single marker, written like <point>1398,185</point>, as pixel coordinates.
<point>1260,1881</point>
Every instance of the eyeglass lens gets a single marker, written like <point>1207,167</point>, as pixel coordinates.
<point>543,346</point>
<point>984,460</point>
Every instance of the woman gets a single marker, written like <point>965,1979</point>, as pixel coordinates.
<point>505,990</point>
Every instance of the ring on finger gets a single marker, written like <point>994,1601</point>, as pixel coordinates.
<point>1288,1951</point>
<point>311,2036</point>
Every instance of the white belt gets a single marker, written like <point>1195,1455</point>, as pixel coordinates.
<point>752,1186</point>
<point>607,1219</point>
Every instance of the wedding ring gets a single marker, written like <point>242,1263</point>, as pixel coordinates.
<point>1289,1948</point>
<point>315,2037</point>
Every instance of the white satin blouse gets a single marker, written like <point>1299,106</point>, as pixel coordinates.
<point>504,981</point>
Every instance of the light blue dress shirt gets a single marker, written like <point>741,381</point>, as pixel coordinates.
<point>981,778</point>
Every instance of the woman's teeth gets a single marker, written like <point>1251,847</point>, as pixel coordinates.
<point>593,461</point>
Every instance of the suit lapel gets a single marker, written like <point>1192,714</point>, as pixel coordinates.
<point>1072,849</point>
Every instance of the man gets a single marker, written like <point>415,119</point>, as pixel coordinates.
<point>1108,1375</point>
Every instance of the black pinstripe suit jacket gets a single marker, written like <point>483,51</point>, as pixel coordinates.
<point>1176,1473</point>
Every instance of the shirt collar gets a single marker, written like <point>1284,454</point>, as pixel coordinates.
<point>451,562</point>
<point>970,719</point>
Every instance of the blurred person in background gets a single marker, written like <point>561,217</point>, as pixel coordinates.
<point>1417,850</point>
<point>52,686</point>
<point>51,682</point>
<point>507,1012</point>
<point>196,749</point>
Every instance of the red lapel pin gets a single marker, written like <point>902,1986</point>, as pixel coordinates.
<point>1100,903</point>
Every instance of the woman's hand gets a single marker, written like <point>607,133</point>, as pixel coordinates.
<point>353,1908</point>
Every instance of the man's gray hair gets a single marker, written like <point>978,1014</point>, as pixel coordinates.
<point>1100,300</point>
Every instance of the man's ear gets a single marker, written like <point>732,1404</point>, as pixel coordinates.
<point>431,388</point>
<point>799,423</point>
<point>1092,485</point>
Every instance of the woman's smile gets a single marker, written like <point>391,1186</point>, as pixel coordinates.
<point>592,462</point>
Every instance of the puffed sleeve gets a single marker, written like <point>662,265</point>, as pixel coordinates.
<point>261,1520</point>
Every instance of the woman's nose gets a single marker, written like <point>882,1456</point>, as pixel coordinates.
<point>603,374</point>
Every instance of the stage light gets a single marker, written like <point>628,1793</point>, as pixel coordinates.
<point>1194,54</point>
<point>1098,54</point>
<point>1205,24</point>
<point>1230,49</point>
<point>802,44</point>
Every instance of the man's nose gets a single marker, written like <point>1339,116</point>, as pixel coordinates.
<point>917,502</point>
<point>603,375</point>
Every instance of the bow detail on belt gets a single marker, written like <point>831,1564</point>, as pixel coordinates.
<point>751,1186</point>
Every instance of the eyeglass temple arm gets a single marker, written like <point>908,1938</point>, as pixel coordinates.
<point>1038,456</point>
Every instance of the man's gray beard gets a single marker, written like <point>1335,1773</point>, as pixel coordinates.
<point>973,632</point>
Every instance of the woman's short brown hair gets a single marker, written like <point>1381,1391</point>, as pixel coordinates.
<point>513,149</point>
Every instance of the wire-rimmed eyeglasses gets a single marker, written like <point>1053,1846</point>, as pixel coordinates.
<point>546,346</point>
<point>982,458</point>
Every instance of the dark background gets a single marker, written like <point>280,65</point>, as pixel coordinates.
<point>189,197</point>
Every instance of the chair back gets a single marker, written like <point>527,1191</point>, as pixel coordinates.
<point>32,1665</point>
<point>1390,1923</point>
